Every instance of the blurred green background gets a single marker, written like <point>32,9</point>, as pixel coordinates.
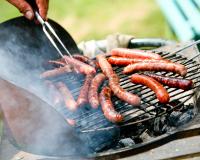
<point>94,19</point>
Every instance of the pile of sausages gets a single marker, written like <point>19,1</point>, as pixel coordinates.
<point>133,60</point>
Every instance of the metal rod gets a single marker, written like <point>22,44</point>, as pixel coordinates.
<point>45,26</point>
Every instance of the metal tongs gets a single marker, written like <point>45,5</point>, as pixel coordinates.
<point>49,32</point>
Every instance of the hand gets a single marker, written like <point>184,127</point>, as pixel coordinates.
<point>26,9</point>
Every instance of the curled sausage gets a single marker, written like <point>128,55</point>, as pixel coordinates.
<point>83,95</point>
<point>170,67</point>
<point>134,53</point>
<point>114,83</point>
<point>93,90</point>
<point>172,82</point>
<point>70,103</point>
<point>80,66</point>
<point>123,61</point>
<point>107,106</point>
<point>160,91</point>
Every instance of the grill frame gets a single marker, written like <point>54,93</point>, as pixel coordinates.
<point>143,110</point>
<point>190,129</point>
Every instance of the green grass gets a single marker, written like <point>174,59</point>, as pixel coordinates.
<point>94,19</point>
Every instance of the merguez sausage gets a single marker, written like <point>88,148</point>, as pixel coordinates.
<point>172,82</point>
<point>107,106</point>
<point>93,90</point>
<point>134,53</point>
<point>83,95</point>
<point>170,67</point>
<point>70,103</point>
<point>154,85</point>
<point>114,83</point>
<point>122,61</point>
<point>80,66</point>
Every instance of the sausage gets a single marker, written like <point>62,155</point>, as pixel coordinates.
<point>71,122</point>
<point>54,93</point>
<point>107,106</point>
<point>80,66</point>
<point>85,59</point>
<point>114,83</point>
<point>83,95</point>
<point>104,65</point>
<point>57,62</point>
<point>69,101</point>
<point>170,67</point>
<point>93,90</point>
<point>123,61</point>
<point>134,53</point>
<point>172,82</point>
<point>160,91</point>
<point>56,72</point>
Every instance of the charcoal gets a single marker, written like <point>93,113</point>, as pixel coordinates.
<point>185,118</point>
<point>173,118</point>
<point>178,118</point>
<point>145,136</point>
<point>101,139</point>
<point>126,142</point>
<point>160,125</point>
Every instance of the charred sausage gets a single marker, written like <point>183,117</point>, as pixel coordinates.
<point>134,53</point>
<point>114,83</point>
<point>107,106</point>
<point>123,61</point>
<point>170,67</point>
<point>83,95</point>
<point>70,103</point>
<point>80,66</point>
<point>93,90</point>
<point>172,82</point>
<point>154,85</point>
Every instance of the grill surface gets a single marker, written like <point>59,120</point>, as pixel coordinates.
<point>88,119</point>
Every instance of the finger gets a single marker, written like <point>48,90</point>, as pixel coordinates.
<point>43,7</point>
<point>23,7</point>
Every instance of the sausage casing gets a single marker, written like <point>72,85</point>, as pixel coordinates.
<point>85,59</point>
<point>83,95</point>
<point>114,83</point>
<point>70,103</point>
<point>134,53</point>
<point>93,90</point>
<point>123,61</point>
<point>172,82</point>
<point>170,67</point>
<point>56,72</point>
<point>107,106</point>
<point>160,91</point>
<point>80,66</point>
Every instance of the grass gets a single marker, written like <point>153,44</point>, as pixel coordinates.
<point>95,19</point>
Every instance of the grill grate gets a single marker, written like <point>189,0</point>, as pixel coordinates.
<point>88,119</point>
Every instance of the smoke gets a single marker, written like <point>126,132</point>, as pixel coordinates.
<point>35,125</point>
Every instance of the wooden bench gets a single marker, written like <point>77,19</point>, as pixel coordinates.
<point>183,17</point>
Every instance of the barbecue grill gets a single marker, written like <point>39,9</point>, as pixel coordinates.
<point>149,118</point>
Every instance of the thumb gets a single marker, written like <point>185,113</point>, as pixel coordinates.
<point>23,7</point>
